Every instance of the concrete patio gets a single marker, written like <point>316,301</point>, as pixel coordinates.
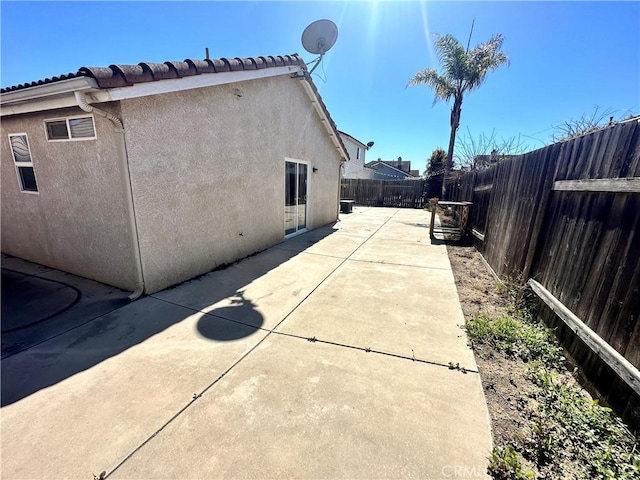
<point>326,356</point>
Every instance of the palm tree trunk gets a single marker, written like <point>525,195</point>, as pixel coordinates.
<point>455,123</point>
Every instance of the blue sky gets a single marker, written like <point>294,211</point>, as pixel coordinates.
<point>566,57</point>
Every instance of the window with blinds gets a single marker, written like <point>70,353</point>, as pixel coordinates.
<point>23,162</point>
<point>70,128</point>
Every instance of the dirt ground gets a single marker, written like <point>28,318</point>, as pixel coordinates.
<point>503,380</point>
<point>510,393</point>
<point>504,383</point>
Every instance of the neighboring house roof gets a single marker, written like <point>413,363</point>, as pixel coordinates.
<point>90,79</point>
<point>353,138</point>
<point>405,166</point>
<point>376,163</point>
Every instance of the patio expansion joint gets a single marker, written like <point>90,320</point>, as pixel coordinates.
<point>343,233</point>
<point>195,310</point>
<point>360,211</point>
<point>308,253</point>
<point>197,396</point>
<point>392,264</point>
<point>449,365</point>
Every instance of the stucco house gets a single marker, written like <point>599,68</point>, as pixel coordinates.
<point>355,167</point>
<point>143,176</point>
<point>393,170</point>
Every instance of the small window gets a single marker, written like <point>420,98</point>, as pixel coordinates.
<point>81,127</point>
<point>23,162</point>
<point>57,130</point>
<point>358,154</point>
<point>72,128</point>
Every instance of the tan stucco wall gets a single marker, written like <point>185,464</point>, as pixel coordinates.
<point>208,165</point>
<point>77,221</point>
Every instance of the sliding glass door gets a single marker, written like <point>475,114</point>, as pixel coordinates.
<point>295,197</point>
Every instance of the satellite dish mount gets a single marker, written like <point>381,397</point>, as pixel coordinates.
<point>318,38</point>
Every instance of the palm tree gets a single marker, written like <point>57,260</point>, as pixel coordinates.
<point>462,71</point>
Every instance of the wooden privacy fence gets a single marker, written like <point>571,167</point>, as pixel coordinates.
<point>567,217</point>
<point>384,193</point>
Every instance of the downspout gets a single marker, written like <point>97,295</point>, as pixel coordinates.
<point>126,180</point>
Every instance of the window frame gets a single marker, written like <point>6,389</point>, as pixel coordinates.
<point>66,120</point>
<point>17,164</point>
<point>358,153</point>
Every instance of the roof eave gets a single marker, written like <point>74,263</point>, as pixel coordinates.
<point>48,89</point>
<point>353,138</point>
<point>196,81</point>
<point>60,94</point>
<point>323,113</point>
<point>52,95</point>
<point>139,81</point>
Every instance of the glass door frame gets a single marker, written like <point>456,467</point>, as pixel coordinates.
<point>297,216</point>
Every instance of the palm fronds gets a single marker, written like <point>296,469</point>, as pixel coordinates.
<point>462,71</point>
<point>442,86</point>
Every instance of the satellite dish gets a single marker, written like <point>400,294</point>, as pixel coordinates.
<point>318,38</point>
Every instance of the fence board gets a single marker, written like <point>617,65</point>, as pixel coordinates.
<point>613,358</point>
<point>568,215</point>
<point>511,207</point>
<point>547,175</point>
<point>621,284</point>
<point>596,252</point>
<point>384,193</point>
<point>599,185</point>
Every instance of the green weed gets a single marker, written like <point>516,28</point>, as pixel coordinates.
<point>571,429</point>
<point>568,435</point>
<point>519,293</point>
<point>516,336</point>
<point>505,464</point>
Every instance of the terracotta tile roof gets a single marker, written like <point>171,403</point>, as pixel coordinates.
<point>115,76</point>
<point>126,75</point>
<point>57,78</point>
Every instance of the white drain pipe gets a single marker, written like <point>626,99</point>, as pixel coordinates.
<point>126,180</point>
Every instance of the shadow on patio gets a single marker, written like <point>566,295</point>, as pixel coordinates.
<point>93,339</point>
